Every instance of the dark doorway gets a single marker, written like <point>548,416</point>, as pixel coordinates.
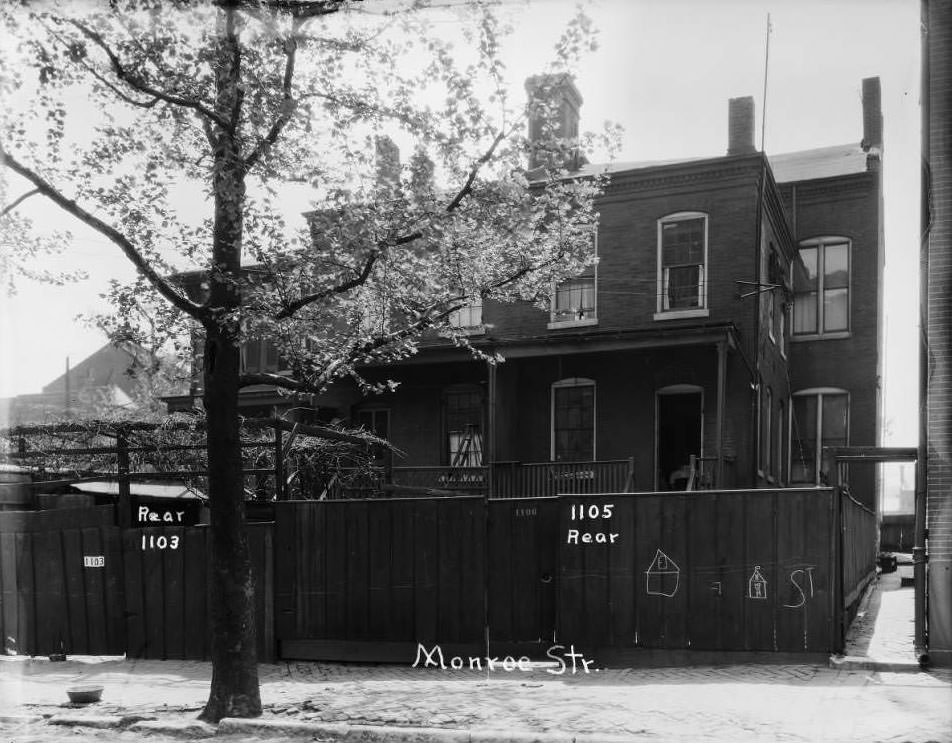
<point>679,435</point>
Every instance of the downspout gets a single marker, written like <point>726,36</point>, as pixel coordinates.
<point>721,392</point>
<point>755,400</point>
<point>919,556</point>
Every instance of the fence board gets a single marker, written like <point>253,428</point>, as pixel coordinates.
<point>9,598</point>
<point>77,640</point>
<point>401,570</point>
<point>379,536</point>
<point>707,579</point>
<point>674,529</point>
<point>426,571</point>
<point>357,571</point>
<point>623,574</point>
<point>134,594</point>
<point>195,607</point>
<point>760,574</point>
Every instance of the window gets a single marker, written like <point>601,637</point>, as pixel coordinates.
<point>574,300</point>
<point>463,421</point>
<point>376,421</point>
<point>766,432</point>
<point>821,285</point>
<point>470,316</point>
<point>780,434</point>
<point>682,265</point>
<point>819,418</point>
<point>259,355</point>
<point>573,420</point>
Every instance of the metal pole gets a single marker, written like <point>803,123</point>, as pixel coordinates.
<point>125,491</point>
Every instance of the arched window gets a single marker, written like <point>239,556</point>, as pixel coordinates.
<point>682,265</point>
<point>819,418</point>
<point>573,420</point>
<point>821,286</point>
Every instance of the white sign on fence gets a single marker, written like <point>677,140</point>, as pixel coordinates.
<point>94,561</point>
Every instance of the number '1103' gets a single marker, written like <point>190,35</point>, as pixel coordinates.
<point>580,512</point>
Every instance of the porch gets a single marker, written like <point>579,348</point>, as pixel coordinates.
<point>497,480</point>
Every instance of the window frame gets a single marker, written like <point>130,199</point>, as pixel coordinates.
<point>662,312</point>
<point>572,382</point>
<point>554,321</point>
<point>265,346</point>
<point>473,391</point>
<point>818,394</point>
<point>821,244</point>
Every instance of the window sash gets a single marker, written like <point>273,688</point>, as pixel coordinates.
<point>818,420</point>
<point>683,287</point>
<point>574,300</point>
<point>821,297</point>
<point>469,316</point>
<point>573,423</point>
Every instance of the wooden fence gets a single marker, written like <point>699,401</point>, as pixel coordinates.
<point>71,581</point>
<point>611,574</point>
<point>708,570</point>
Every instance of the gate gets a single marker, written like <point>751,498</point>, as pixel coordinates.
<point>369,579</point>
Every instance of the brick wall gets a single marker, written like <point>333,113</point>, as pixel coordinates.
<point>846,207</point>
<point>725,189</point>
<point>938,155</point>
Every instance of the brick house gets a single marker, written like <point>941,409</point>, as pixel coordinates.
<point>935,462</point>
<point>706,345</point>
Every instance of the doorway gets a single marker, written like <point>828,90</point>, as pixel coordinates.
<point>680,418</point>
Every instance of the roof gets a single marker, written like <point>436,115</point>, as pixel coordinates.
<point>822,162</point>
<point>804,165</point>
<point>173,491</point>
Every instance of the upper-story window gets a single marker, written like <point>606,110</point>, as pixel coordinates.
<point>821,285</point>
<point>261,355</point>
<point>682,265</point>
<point>574,301</point>
<point>573,420</point>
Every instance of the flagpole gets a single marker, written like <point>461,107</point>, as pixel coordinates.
<point>763,113</point>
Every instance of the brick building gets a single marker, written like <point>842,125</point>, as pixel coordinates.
<point>936,424</point>
<point>727,329</point>
<point>731,318</point>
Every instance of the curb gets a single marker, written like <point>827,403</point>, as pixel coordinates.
<point>101,722</point>
<point>861,663</point>
<point>392,734</point>
<point>14,719</point>
<point>177,728</point>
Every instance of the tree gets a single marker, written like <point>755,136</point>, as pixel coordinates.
<point>243,97</point>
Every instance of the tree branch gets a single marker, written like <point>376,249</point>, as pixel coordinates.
<point>161,285</point>
<point>474,171</point>
<point>14,204</point>
<point>287,105</point>
<point>141,85</point>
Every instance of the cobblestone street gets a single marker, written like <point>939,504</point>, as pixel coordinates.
<point>755,702</point>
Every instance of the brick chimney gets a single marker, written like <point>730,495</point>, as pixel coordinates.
<point>554,104</point>
<point>740,126</point>
<point>388,163</point>
<point>872,114</point>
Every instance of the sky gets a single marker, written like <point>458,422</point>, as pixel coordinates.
<point>664,70</point>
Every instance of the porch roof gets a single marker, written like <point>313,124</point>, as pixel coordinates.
<point>585,340</point>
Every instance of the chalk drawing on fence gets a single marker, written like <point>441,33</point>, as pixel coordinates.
<point>757,585</point>
<point>802,580</point>
<point>662,576</point>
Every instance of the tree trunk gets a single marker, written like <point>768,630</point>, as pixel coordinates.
<point>234,690</point>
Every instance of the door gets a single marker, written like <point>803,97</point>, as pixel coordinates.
<point>679,425</point>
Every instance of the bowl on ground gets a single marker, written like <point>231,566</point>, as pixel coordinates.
<point>84,694</point>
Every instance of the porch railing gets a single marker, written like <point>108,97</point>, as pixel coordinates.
<point>500,480</point>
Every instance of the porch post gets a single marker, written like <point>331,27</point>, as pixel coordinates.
<point>721,393</point>
<point>490,461</point>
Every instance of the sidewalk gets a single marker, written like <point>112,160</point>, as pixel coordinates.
<point>375,703</point>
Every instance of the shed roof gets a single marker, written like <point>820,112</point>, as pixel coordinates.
<point>822,162</point>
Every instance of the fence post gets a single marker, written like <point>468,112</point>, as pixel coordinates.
<point>279,489</point>
<point>122,469</point>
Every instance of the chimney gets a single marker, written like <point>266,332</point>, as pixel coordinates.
<point>554,104</point>
<point>740,126</point>
<point>872,114</point>
<point>388,163</point>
